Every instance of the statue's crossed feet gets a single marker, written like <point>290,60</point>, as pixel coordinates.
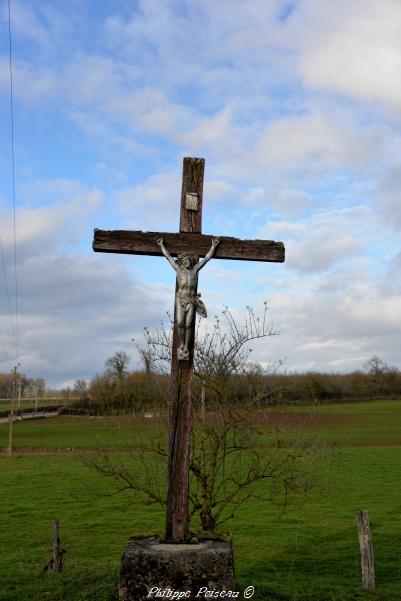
<point>183,353</point>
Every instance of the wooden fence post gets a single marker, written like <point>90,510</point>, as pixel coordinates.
<point>56,562</point>
<point>57,553</point>
<point>366,547</point>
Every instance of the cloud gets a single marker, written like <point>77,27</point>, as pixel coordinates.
<point>391,282</point>
<point>161,34</point>
<point>153,204</point>
<point>322,239</point>
<point>319,254</point>
<point>352,48</point>
<point>296,109</point>
<point>77,310</point>
<point>74,308</point>
<point>110,138</point>
<point>27,24</point>
<point>30,83</point>
<point>314,138</point>
<point>337,331</point>
<point>215,96</point>
<point>56,226</point>
<point>285,201</point>
<point>386,201</point>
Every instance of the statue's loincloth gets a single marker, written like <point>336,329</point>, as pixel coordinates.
<point>186,301</point>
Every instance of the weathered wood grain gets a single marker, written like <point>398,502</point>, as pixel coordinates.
<point>192,183</point>
<point>177,515</point>
<point>144,243</point>
<point>366,548</point>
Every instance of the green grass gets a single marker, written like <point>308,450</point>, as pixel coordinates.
<point>306,555</point>
<point>35,491</point>
<point>66,432</point>
<point>314,553</point>
<point>348,424</point>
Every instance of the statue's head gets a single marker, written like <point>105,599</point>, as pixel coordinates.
<point>186,260</point>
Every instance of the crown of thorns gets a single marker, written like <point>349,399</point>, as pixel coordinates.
<point>182,256</point>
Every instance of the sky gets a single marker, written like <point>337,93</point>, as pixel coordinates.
<point>296,108</point>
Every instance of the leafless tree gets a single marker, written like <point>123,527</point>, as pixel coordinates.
<point>117,364</point>
<point>81,387</point>
<point>235,453</point>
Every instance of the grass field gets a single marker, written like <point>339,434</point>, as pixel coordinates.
<point>305,555</point>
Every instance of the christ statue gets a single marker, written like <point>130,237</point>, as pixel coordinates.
<point>187,300</point>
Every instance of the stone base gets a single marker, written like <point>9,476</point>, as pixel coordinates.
<point>154,570</point>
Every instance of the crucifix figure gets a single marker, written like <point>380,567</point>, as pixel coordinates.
<point>188,245</point>
<point>187,300</point>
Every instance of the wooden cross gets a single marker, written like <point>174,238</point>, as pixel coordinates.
<point>189,239</point>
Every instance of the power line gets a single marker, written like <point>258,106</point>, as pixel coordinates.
<point>13,181</point>
<point>10,311</point>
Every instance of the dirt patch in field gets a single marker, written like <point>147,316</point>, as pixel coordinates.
<point>273,419</point>
<point>117,420</point>
<point>20,451</point>
<point>302,420</point>
<point>342,429</point>
<point>63,450</point>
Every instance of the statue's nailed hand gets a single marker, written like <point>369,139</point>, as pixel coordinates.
<point>215,241</point>
<point>159,241</point>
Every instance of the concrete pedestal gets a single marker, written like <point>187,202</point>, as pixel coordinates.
<point>154,570</point>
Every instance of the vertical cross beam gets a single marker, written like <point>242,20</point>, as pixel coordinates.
<point>177,519</point>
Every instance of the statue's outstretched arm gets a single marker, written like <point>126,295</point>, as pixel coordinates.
<point>165,252</point>
<point>209,255</point>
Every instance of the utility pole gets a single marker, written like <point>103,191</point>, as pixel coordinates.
<point>19,413</point>
<point>14,386</point>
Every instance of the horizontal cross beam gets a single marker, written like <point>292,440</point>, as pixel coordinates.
<point>144,243</point>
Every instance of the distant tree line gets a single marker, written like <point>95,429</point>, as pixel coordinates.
<point>118,390</point>
<point>33,388</point>
<point>314,387</point>
<point>28,386</point>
